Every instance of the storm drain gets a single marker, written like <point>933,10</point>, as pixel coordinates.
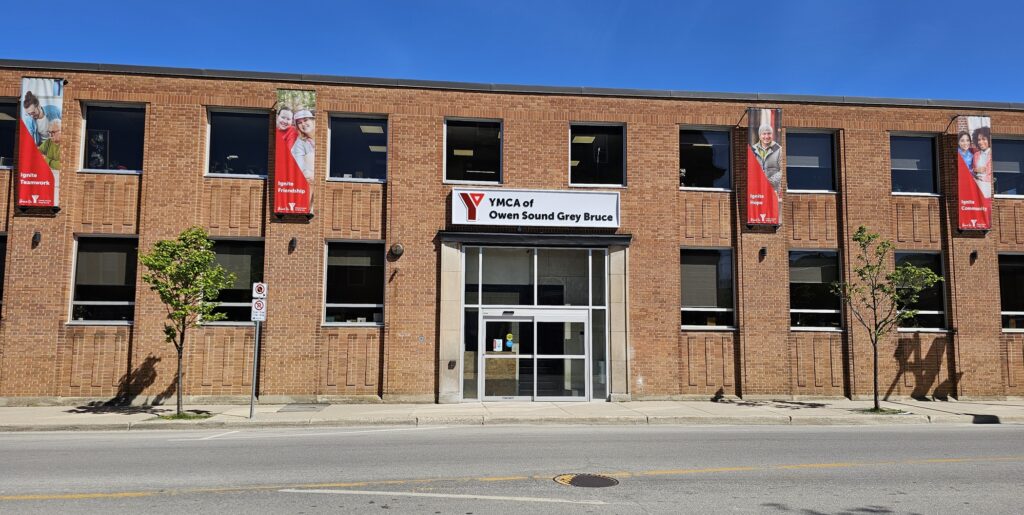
<point>294,408</point>
<point>586,480</point>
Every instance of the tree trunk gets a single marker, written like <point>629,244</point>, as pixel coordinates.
<point>181,351</point>
<point>874,349</point>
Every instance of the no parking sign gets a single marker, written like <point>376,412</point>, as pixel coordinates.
<point>259,310</point>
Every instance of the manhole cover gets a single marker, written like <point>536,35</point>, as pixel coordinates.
<point>586,480</point>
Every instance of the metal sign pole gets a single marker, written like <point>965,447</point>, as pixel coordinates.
<point>255,370</point>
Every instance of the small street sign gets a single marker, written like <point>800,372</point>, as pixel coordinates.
<point>259,290</point>
<point>259,310</point>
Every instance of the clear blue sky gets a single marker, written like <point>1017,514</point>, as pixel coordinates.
<point>896,48</point>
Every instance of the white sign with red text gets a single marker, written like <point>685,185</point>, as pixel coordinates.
<point>535,208</point>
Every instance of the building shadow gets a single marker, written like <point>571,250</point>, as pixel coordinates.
<point>132,384</point>
<point>775,506</point>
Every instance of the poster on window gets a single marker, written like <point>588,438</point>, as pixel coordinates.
<point>974,172</point>
<point>294,152</point>
<point>39,142</point>
<point>764,166</point>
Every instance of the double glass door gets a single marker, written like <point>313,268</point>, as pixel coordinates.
<point>535,356</point>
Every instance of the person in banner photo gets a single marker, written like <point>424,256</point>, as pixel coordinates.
<point>295,133</point>
<point>50,148</point>
<point>38,116</point>
<point>963,143</point>
<point>982,161</point>
<point>304,148</point>
<point>769,155</point>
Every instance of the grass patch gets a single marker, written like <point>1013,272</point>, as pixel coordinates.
<point>880,411</point>
<point>186,416</point>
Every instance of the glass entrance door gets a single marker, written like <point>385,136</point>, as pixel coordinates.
<point>539,355</point>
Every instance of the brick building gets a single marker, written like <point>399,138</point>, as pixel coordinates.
<point>677,298</point>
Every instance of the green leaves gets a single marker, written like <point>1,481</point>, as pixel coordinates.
<point>185,274</point>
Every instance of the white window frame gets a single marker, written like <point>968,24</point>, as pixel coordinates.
<point>945,301</point>
<point>834,133</point>
<point>242,323</point>
<point>936,163</point>
<point>789,287</point>
<point>625,155</point>
<point>688,327</point>
<point>323,299</point>
<point>209,131</point>
<point>74,273</point>
<point>709,128</point>
<point>501,151</point>
<point>1016,137</point>
<point>17,126</point>
<point>86,104</point>
<point>387,153</point>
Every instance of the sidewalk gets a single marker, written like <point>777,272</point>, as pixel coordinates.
<point>725,412</point>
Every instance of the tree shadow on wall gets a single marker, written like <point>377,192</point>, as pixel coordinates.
<point>129,387</point>
<point>925,368</point>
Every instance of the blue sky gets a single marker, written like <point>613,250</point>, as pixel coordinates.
<point>913,49</point>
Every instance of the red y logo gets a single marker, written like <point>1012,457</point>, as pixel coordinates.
<point>471,200</point>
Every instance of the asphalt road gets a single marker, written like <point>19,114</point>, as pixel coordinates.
<point>791,469</point>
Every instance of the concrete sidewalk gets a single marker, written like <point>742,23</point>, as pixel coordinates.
<point>724,412</point>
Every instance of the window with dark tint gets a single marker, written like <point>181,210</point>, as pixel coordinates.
<point>3,265</point>
<point>245,260</point>
<point>105,279</point>
<point>809,164</point>
<point>704,159</point>
<point>1008,166</point>
<point>930,303</point>
<point>359,148</point>
<point>355,283</point>
<point>706,287</point>
<point>473,151</point>
<point>913,164</point>
<point>1011,287</point>
<point>8,127</point>
<point>239,143</point>
<point>597,154</point>
<point>114,138</point>
<point>811,301</point>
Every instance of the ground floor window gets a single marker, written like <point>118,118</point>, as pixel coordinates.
<point>245,260</point>
<point>1011,284</point>
<point>931,303</point>
<point>706,288</point>
<point>812,303</point>
<point>354,290</point>
<point>105,280</point>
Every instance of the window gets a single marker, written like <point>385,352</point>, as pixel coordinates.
<point>3,265</point>
<point>809,162</point>
<point>355,283</point>
<point>245,260</point>
<point>597,154</point>
<point>706,287</point>
<point>704,159</point>
<point>359,148</point>
<point>811,301</point>
<point>8,127</point>
<point>1011,284</point>
<point>105,280</point>
<point>239,143</point>
<point>913,164</point>
<point>1009,166</point>
<point>930,302</point>
<point>472,151</point>
<point>114,138</point>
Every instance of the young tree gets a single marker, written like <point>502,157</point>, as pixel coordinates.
<point>879,296</point>
<point>185,274</point>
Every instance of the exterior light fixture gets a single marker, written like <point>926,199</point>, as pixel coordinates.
<point>36,238</point>
<point>292,244</point>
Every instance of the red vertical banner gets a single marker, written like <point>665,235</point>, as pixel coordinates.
<point>974,173</point>
<point>294,152</point>
<point>764,166</point>
<point>40,132</point>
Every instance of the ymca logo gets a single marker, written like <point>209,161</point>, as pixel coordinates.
<point>472,201</point>
<point>35,199</point>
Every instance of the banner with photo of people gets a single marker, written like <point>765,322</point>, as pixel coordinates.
<point>974,172</point>
<point>294,151</point>
<point>39,141</point>
<point>764,166</point>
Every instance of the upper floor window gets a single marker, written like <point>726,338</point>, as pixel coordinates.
<point>811,300</point>
<point>706,287</point>
<point>704,159</point>
<point>8,127</point>
<point>244,259</point>
<point>355,283</point>
<point>3,265</point>
<point>239,143</point>
<point>597,155</point>
<point>114,138</point>
<point>1008,166</point>
<point>1011,284</point>
<point>809,162</point>
<point>931,304</point>
<point>105,280</point>
<point>913,164</point>
<point>472,151</point>
<point>359,148</point>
